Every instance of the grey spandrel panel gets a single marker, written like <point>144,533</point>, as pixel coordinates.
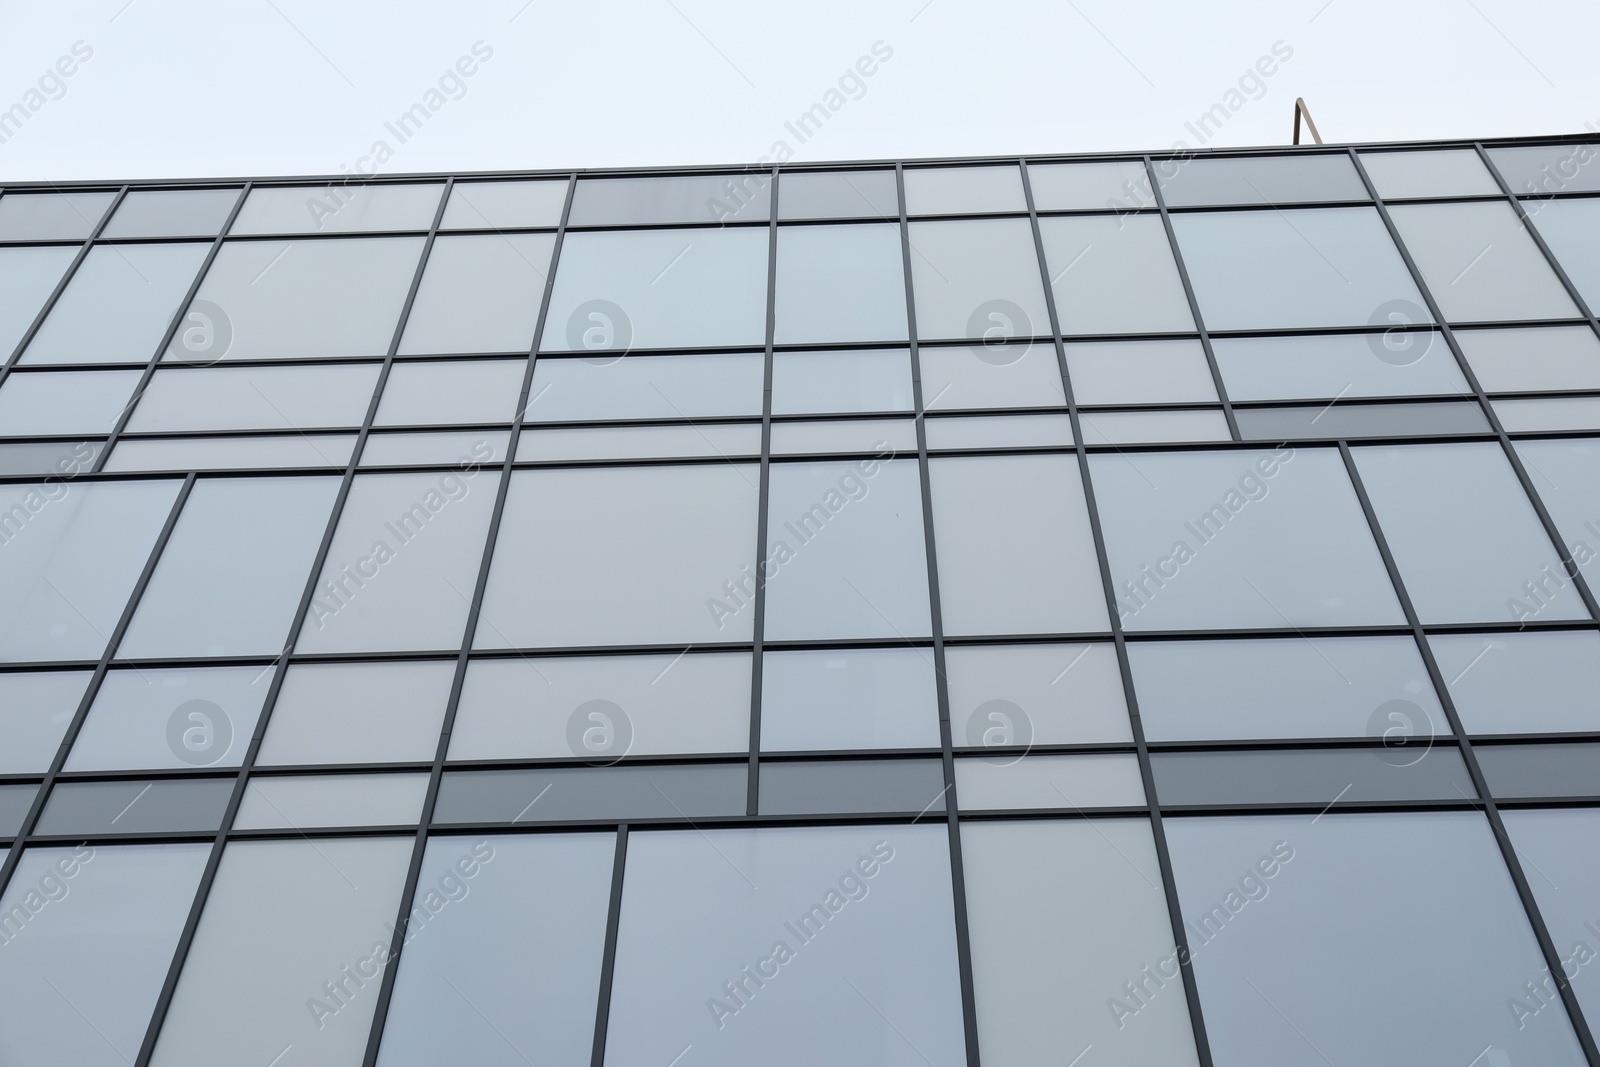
<point>839,284</point>
<point>626,792</point>
<point>965,377</point>
<point>118,304</point>
<point>845,554</point>
<point>1007,781</point>
<point>1140,372</point>
<point>1347,420</point>
<point>1549,168</point>
<point>71,555</point>
<point>1448,172</point>
<point>1212,540</point>
<point>1295,931</point>
<point>308,801</point>
<point>1570,228</point>
<point>977,278</point>
<point>88,936</point>
<point>255,398</point>
<point>451,392</point>
<point>964,190</point>
<point>1313,367</point>
<point>460,447</point>
<point>1480,263</point>
<point>1529,682</point>
<point>239,541</point>
<point>1464,535</point>
<point>338,208</point>
<point>504,205</point>
<point>27,278</point>
<point>402,564</point>
<point>36,707</point>
<point>1004,696</point>
<point>15,802</point>
<point>66,402</point>
<point>1114,274</point>
<point>849,698</point>
<point>571,568</point>
<point>1556,847</point>
<point>999,431</point>
<point>1123,185</point>
<point>230,453</point>
<point>815,787</point>
<point>845,194</point>
<point>187,805</point>
<point>1287,688</point>
<point>603,707</point>
<point>172,213</point>
<point>1562,414</point>
<point>51,216</point>
<point>1040,892</point>
<point>1016,552</point>
<point>523,957</point>
<point>273,300</point>
<point>1533,359</point>
<point>184,717</point>
<point>677,198</point>
<point>1547,770</point>
<point>1295,268</point>
<point>1267,180</point>
<point>648,387</point>
<point>775,928</point>
<point>1144,427</point>
<point>479,294</point>
<point>624,289</point>
<point>314,972</point>
<point>1566,475</point>
<point>358,713</point>
<point>831,382</point>
<point>1311,776</point>
<point>49,457</point>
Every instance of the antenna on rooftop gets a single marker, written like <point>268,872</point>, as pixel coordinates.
<point>1301,109</point>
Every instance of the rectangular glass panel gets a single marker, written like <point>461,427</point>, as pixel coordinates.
<point>186,717</point>
<point>1549,168</point>
<point>1002,782</point>
<point>999,431</point>
<point>1566,770</point>
<point>1114,274</point>
<point>894,436</point>
<point>1563,413</point>
<point>1570,228</point>
<point>479,294</point>
<point>451,391</point>
<point>224,453</point>
<point>849,698</point>
<point>815,787</point>
<point>187,805</point>
<point>607,794</point>
<point>839,284</point>
<point>1479,262</point>
<point>51,216</point>
<point>823,383</point>
<point>1122,184</point>
<point>65,403</point>
<point>35,710</point>
<point>255,398</point>
<point>343,208</point>
<point>358,713</point>
<point>461,448</point>
<point>1566,476</point>
<point>15,802</point>
<point>658,387</point>
<point>1140,372</point>
<point>1014,696</point>
<point>1261,180</point>
<point>1143,427</point>
<point>963,377</point>
<point>977,279</point>
<point>1550,358</point>
<point>292,802</point>
<point>172,213</point>
<point>504,205</point>
<point>49,457</point>
<point>118,305</point>
<point>842,194</point>
<point>963,190</point>
<point>1555,847</point>
<point>1450,172</point>
<point>27,278</point>
<point>1392,363</point>
<point>678,198</point>
<point>1310,776</point>
<point>1340,420</point>
<point>1531,682</point>
<point>641,442</point>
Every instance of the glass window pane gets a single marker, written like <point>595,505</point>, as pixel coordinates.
<point>524,958</point>
<point>293,802</point>
<point>255,398</point>
<point>187,717</point>
<point>225,453</point>
<point>1563,413</point>
<point>1551,358</point>
<point>97,955</point>
<point>1010,696</point>
<point>867,576</point>
<point>222,1012</point>
<point>849,698</point>
<point>181,805</point>
<point>977,278</point>
<point>1114,274</point>
<point>1566,475</point>
<point>451,391</point>
<point>1040,893</point>
<point>35,710</point>
<point>963,190</point>
<point>1556,847</point>
<point>1548,168</point>
<point>1140,372</point>
<point>826,382</point>
<point>479,294</point>
<point>1534,682</point>
<point>1313,367</point>
<point>403,563</point>
<point>15,802</point>
<point>683,441</point>
<point>626,289</point>
<point>1570,228</point>
<point>51,216</point>
<point>878,436</point>
<point>603,707</point>
<point>1260,180</point>
<point>504,205</point>
<point>1219,539</point>
<point>27,278</point>
<point>1001,783</point>
<point>68,402</point>
<point>343,208</point>
<point>657,387</point>
<point>436,447</point>
<point>273,300</point>
<point>1085,186</point>
<point>49,457</point>
<point>998,376</point>
<point>201,601</point>
<point>1142,427</point>
<point>172,213</point>
<point>1561,770</point>
<point>71,557</point>
<point>815,787</point>
<point>1300,268</point>
<point>697,906</point>
<point>1450,172</point>
<point>1479,262</point>
<point>358,713</point>
<point>842,194</point>
<point>608,794</point>
<point>1478,556</point>
<point>679,198</point>
<point>1016,554</point>
<point>118,305</point>
<point>1333,946</point>
<point>573,570</point>
<point>1305,422</point>
<point>1309,776</point>
<point>840,283</point>
<point>999,431</point>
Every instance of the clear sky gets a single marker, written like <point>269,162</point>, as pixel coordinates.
<point>193,88</point>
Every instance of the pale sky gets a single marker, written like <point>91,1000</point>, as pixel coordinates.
<point>211,88</point>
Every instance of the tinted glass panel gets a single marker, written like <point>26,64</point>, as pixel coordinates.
<point>1571,770</point>
<point>1570,228</point>
<point>201,717</point>
<point>50,403</point>
<point>1522,682</point>
<point>1310,776</point>
<point>1114,274</point>
<point>1555,847</point>
<point>222,453</point>
<point>681,198</point>
<point>661,387</point>
<point>827,382</point>
<point>1140,372</point>
<point>1525,360</point>
<point>274,802</point>
<point>963,190</point>
<point>358,713</point>
<point>1452,172</point>
<point>27,278</point>
<point>998,376</point>
<point>1080,186</point>
<point>840,284</point>
<point>1552,169</point>
<point>1004,696</point>
<point>978,279</point>
<point>172,213</point>
<point>838,195</point>
<point>1479,262</point>
<point>118,305</point>
<point>1566,475</point>
<point>808,787</point>
<point>559,794</point>
<point>504,205</point>
<point>35,710</point>
<point>1359,420</point>
<point>1002,782</point>
<point>1392,363</point>
<point>83,808</point>
<point>479,294</point>
<point>456,391</point>
<point>849,698</point>
<point>345,208</point>
<point>51,216</point>
<point>1261,180</point>
<point>255,398</point>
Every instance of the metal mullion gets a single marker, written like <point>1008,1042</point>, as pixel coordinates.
<point>608,959</point>
<point>763,503</point>
<point>1158,833</point>
<point>281,662</point>
<point>958,882</point>
<point>380,1012</point>
<point>30,821</point>
<point>1568,565</point>
<point>172,330</point>
<point>1508,851</point>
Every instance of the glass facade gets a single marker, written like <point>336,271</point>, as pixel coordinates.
<point>1114,611</point>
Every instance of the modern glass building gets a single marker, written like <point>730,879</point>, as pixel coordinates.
<point>1116,610</point>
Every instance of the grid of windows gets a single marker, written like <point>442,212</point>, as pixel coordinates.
<point>1025,568</point>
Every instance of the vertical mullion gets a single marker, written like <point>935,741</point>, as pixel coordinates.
<point>280,667</point>
<point>1169,886</point>
<point>608,960</point>
<point>1188,292</point>
<point>763,498</point>
<point>958,884</point>
<point>408,892</point>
